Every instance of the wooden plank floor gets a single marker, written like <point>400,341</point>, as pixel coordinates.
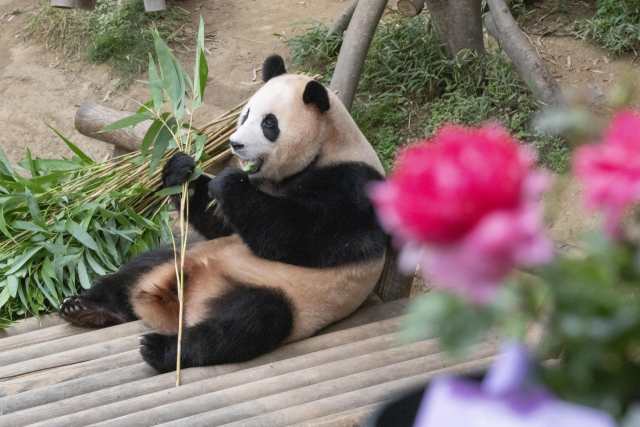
<point>54,374</point>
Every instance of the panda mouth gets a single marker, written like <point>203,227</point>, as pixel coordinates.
<point>251,166</point>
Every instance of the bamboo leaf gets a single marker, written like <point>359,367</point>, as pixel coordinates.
<point>73,147</point>
<point>34,210</point>
<point>200,142</point>
<point>34,174</point>
<point>80,234</point>
<point>85,282</point>
<point>12,284</point>
<point>132,120</point>
<point>94,265</point>
<point>201,70</point>
<point>161,144</point>
<point>3,224</point>
<point>5,162</point>
<point>170,191</point>
<point>150,136</point>
<point>29,226</point>
<point>156,93</point>
<point>53,165</point>
<point>22,259</point>
<point>54,248</point>
<point>170,76</point>
<point>4,296</point>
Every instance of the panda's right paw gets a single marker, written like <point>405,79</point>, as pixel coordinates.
<point>178,170</point>
<point>159,351</point>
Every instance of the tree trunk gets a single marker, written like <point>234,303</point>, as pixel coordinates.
<point>341,23</point>
<point>355,47</point>
<point>458,24</point>
<point>410,8</point>
<point>91,118</point>
<point>502,26</point>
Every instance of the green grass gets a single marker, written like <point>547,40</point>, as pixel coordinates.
<point>117,35</point>
<point>408,88</point>
<point>615,26</point>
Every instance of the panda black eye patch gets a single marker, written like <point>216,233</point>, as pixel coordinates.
<point>270,127</point>
<point>245,117</point>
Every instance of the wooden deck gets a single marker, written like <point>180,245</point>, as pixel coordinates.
<point>61,375</point>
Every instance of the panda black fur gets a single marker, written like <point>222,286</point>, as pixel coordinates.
<point>293,246</point>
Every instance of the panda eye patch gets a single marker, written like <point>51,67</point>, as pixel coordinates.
<point>270,127</point>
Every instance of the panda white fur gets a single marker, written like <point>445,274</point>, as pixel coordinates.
<point>294,245</point>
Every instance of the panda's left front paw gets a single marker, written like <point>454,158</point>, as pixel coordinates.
<point>160,351</point>
<point>227,179</point>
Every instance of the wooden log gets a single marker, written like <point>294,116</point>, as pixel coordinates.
<point>91,336</point>
<point>91,118</point>
<point>354,49</point>
<point>154,5</point>
<point>523,54</point>
<point>31,324</point>
<point>63,4</point>
<point>66,373</point>
<point>38,337</point>
<point>373,385</point>
<point>341,23</point>
<point>128,389</point>
<point>111,404</point>
<point>410,8</point>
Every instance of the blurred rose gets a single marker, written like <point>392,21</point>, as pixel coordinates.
<point>610,172</point>
<point>465,206</point>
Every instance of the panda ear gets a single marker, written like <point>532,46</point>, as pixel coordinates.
<point>273,67</point>
<point>316,93</point>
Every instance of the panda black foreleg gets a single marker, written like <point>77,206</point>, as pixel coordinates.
<point>206,220</point>
<point>107,302</point>
<point>245,323</point>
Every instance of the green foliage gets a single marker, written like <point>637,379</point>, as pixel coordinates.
<point>119,35</point>
<point>615,26</point>
<point>408,87</point>
<point>75,219</point>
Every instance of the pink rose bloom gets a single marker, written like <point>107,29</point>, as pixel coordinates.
<point>465,206</point>
<point>610,172</point>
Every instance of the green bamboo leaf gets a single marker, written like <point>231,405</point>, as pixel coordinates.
<point>94,265</point>
<point>53,165</point>
<point>73,147</point>
<point>22,259</point>
<point>144,222</point>
<point>145,108</point>
<point>12,284</point>
<point>63,261</point>
<point>29,226</point>
<point>196,174</point>
<point>156,93</point>
<point>4,296</point>
<point>80,234</point>
<point>128,121</point>
<point>3,224</point>
<point>85,282</point>
<point>34,174</point>
<point>34,210</point>
<point>161,144</point>
<point>47,268</point>
<point>5,161</point>
<point>201,70</point>
<point>200,142</point>
<point>170,191</point>
<point>150,136</point>
<point>54,248</point>
<point>170,75</point>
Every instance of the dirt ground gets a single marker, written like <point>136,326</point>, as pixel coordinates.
<point>35,89</point>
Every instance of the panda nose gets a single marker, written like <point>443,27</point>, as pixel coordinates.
<point>236,145</point>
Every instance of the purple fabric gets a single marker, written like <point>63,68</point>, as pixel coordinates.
<point>503,399</point>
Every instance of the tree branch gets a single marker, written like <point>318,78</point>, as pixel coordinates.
<point>502,26</point>
<point>341,23</point>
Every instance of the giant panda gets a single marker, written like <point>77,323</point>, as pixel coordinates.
<point>293,245</point>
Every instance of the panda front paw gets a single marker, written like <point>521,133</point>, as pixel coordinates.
<point>229,179</point>
<point>178,170</point>
<point>160,351</point>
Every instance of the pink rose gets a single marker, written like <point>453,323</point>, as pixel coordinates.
<point>464,206</point>
<point>610,172</point>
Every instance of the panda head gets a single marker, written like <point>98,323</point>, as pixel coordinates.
<point>284,125</point>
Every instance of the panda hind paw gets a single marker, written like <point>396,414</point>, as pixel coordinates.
<point>159,351</point>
